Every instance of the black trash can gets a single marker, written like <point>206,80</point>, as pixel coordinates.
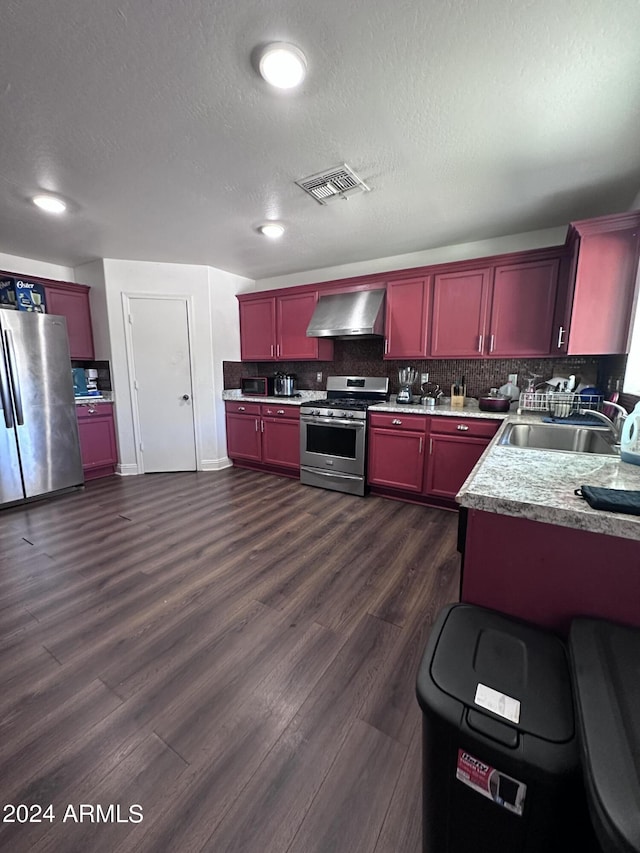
<point>501,768</point>
<point>605,662</point>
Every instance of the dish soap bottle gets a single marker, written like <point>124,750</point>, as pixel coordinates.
<point>630,438</point>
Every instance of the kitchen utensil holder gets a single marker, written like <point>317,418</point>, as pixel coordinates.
<point>558,404</point>
<point>457,399</point>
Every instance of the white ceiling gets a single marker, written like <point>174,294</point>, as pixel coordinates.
<point>469,119</point>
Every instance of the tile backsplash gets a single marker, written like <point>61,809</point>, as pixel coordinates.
<point>365,358</point>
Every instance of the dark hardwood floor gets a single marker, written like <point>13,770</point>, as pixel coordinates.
<point>232,651</point>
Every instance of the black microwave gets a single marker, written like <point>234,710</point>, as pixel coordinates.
<point>257,386</point>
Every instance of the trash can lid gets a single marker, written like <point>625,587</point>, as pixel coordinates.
<point>605,660</point>
<point>507,669</point>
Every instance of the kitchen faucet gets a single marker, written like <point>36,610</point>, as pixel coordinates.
<point>614,425</point>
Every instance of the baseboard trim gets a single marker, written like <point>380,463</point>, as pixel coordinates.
<point>216,464</point>
<point>127,470</point>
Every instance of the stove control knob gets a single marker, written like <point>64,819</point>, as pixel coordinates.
<point>315,412</point>
<point>330,414</point>
<point>348,414</point>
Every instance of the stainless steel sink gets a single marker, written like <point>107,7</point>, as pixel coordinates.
<point>575,439</point>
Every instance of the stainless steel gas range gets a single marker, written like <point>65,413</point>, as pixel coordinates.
<point>333,433</point>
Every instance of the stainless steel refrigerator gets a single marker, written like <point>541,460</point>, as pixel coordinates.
<point>39,447</point>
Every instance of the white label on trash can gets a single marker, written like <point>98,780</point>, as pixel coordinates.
<point>501,704</point>
<point>504,790</point>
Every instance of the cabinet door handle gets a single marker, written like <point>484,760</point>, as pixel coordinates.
<point>261,426</point>
<point>491,343</point>
<point>256,425</point>
<point>480,342</point>
<point>241,409</point>
<point>280,412</point>
<point>560,336</point>
<point>430,446</point>
<point>462,427</point>
<point>396,422</point>
<point>271,350</point>
<point>386,346</point>
<point>277,350</point>
<point>420,446</point>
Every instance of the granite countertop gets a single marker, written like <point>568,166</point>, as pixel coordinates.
<point>105,397</point>
<point>444,408</point>
<point>305,396</point>
<point>470,409</point>
<point>539,485</point>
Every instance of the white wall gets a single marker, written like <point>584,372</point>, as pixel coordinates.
<point>93,275</point>
<point>215,337</point>
<point>443,254</point>
<point>29,266</point>
<point>225,326</point>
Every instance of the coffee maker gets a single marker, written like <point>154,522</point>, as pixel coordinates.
<point>91,375</point>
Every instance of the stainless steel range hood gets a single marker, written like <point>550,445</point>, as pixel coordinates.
<point>347,315</point>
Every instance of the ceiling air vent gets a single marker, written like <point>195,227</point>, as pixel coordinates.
<point>339,182</point>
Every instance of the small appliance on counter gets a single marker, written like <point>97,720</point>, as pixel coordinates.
<point>91,375</point>
<point>257,386</point>
<point>494,401</point>
<point>284,385</point>
<point>406,377</point>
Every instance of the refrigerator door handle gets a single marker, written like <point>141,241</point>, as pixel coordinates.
<point>15,380</point>
<point>5,397</point>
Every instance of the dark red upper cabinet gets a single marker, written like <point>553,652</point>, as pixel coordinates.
<point>258,329</point>
<point>72,302</point>
<point>274,328</point>
<point>460,305</point>
<point>293,315</point>
<point>407,318</point>
<point>601,285</point>
<point>522,309</point>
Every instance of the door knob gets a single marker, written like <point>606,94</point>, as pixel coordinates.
<point>185,396</point>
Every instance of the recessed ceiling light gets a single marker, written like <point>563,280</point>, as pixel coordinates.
<point>50,203</point>
<point>272,230</point>
<point>283,65</point>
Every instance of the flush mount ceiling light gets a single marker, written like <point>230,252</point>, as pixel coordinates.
<point>283,65</point>
<point>50,203</point>
<point>272,230</point>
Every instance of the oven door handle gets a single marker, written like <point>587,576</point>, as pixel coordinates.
<point>334,422</point>
<point>331,475</point>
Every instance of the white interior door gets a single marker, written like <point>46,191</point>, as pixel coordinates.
<point>162,383</point>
